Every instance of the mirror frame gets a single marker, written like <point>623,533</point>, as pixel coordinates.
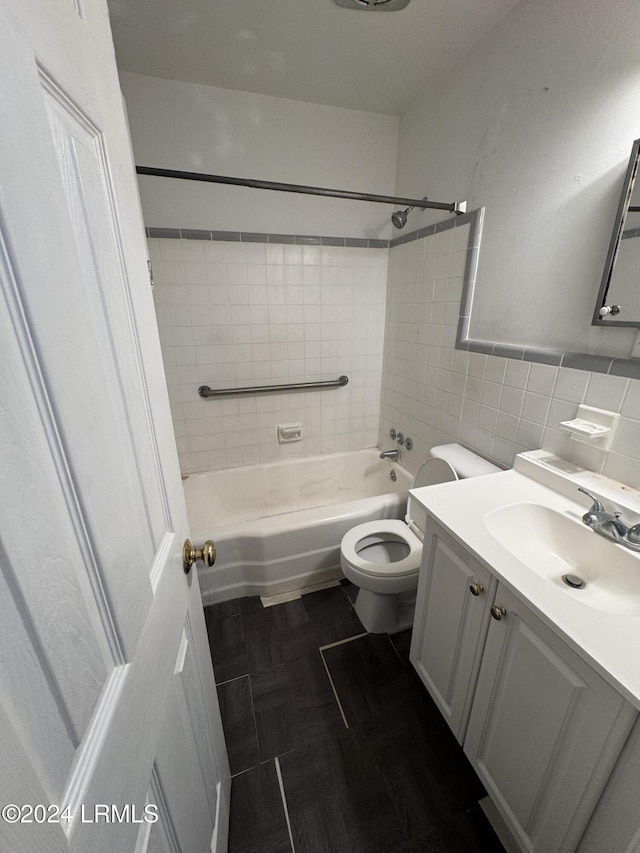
<point>618,226</point>
<point>607,364</point>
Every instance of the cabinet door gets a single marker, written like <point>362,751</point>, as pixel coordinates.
<point>615,824</point>
<point>450,624</point>
<point>545,730</point>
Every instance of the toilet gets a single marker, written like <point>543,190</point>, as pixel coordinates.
<point>383,557</point>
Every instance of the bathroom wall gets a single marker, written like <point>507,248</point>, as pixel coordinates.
<point>496,406</point>
<point>536,125</point>
<point>234,313</point>
<point>205,129</point>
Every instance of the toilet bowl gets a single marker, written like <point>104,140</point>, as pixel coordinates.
<point>383,557</point>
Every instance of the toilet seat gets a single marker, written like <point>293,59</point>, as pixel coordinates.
<point>386,586</point>
<point>395,528</point>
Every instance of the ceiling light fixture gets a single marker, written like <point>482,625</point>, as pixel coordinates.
<point>373,5</point>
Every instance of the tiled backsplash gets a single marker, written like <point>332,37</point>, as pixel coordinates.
<point>236,313</point>
<point>495,405</point>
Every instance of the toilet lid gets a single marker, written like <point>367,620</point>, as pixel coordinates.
<point>392,526</point>
<point>430,473</point>
<point>434,471</point>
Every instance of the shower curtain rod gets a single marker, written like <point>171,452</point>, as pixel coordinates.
<point>454,207</point>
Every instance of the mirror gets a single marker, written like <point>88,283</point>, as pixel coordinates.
<point>618,302</point>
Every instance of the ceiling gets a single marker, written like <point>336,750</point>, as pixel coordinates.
<point>306,50</point>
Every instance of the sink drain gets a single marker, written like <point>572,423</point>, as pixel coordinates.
<point>573,581</point>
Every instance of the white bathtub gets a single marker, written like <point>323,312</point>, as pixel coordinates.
<point>278,526</point>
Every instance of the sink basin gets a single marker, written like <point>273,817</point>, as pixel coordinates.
<point>553,544</point>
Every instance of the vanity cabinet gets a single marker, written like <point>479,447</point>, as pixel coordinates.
<point>545,730</point>
<point>541,728</point>
<point>615,824</point>
<point>450,624</point>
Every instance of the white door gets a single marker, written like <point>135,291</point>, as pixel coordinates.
<point>107,698</point>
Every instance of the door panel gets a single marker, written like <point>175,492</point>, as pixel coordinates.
<point>189,744</point>
<point>157,837</point>
<point>107,696</point>
<point>54,662</point>
<point>88,185</point>
<point>21,784</point>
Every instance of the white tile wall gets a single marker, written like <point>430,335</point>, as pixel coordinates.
<point>234,314</point>
<point>499,407</point>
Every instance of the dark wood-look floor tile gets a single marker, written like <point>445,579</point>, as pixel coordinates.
<point>457,780</point>
<point>238,721</point>
<point>257,822</point>
<point>422,845</point>
<point>337,799</point>
<point>429,793</point>
<point>369,677</point>
<point>225,629</point>
<point>350,589</point>
<point>402,644</point>
<point>470,831</point>
<point>294,704</point>
<point>397,781</point>
<point>332,615</point>
<point>225,608</point>
<point>278,634</point>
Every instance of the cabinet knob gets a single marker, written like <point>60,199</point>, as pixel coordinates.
<point>498,612</point>
<point>476,588</point>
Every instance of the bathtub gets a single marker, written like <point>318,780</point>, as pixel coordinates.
<point>278,526</point>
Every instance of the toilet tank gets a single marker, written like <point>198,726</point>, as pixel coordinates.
<point>464,462</point>
<point>446,463</point>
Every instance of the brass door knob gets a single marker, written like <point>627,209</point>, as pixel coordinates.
<point>498,612</point>
<point>476,588</point>
<point>190,554</point>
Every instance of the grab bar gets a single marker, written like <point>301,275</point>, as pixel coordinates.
<point>205,391</point>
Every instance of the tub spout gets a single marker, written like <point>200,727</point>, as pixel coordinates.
<point>390,454</point>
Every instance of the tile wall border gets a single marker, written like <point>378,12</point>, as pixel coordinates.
<point>627,367</point>
<point>253,237</point>
<point>306,239</point>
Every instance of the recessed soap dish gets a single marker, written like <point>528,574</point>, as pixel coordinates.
<point>585,428</point>
<point>592,426</point>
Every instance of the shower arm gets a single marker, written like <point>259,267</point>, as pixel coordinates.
<point>457,207</point>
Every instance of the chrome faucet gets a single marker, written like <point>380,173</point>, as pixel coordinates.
<point>390,454</point>
<point>609,524</point>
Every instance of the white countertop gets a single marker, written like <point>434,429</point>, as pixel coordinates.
<point>610,642</point>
